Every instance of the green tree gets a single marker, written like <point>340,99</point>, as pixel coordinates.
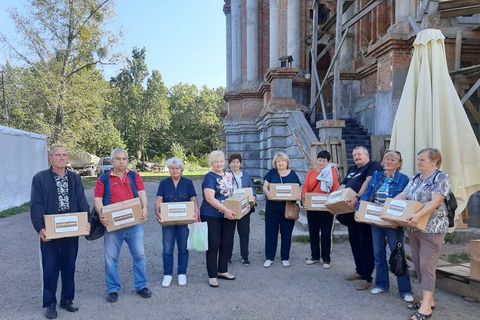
<point>63,42</point>
<point>139,110</point>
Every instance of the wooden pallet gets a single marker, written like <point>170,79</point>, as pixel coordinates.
<point>456,279</point>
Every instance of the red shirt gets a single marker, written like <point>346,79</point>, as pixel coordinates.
<point>120,188</point>
<point>311,184</point>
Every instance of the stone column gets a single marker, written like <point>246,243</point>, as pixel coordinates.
<point>252,40</point>
<point>236,36</point>
<point>274,45</point>
<point>228,19</point>
<point>293,31</point>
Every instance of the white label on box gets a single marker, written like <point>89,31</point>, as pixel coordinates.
<point>245,206</point>
<point>396,208</point>
<point>319,201</point>
<point>373,213</point>
<point>335,196</point>
<point>239,191</point>
<point>66,224</point>
<point>283,191</point>
<point>177,210</point>
<point>123,217</point>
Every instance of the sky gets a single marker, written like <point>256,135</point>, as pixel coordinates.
<point>184,39</point>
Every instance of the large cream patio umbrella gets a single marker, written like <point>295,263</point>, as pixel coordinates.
<point>430,114</point>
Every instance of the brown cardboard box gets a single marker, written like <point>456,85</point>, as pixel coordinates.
<point>238,204</point>
<point>475,249</point>
<point>66,225</point>
<point>123,214</point>
<point>284,191</point>
<point>337,201</point>
<point>400,211</point>
<point>173,213</point>
<point>245,191</point>
<point>369,213</point>
<point>315,201</point>
<point>475,269</point>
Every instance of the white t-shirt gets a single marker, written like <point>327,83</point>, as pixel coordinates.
<point>238,181</point>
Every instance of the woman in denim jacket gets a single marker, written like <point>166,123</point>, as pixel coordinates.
<point>387,184</point>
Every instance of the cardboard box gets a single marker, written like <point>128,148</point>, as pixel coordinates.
<point>284,191</point>
<point>66,225</point>
<point>369,213</point>
<point>315,201</point>
<point>238,204</point>
<point>337,201</point>
<point>475,249</point>
<point>475,269</point>
<point>245,191</point>
<point>174,213</point>
<point>123,214</point>
<point>400,211</point>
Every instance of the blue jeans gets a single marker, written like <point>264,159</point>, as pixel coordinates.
<point>382,237</point>
<point>170,234</point>
<point>113,241</point>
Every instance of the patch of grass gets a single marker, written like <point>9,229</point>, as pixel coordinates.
<point>88,182</point>
<point>460,257</point>
<point>12,211</point>
<point>453,238</point>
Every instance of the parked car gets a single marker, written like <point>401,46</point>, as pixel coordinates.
<point>105,164</point>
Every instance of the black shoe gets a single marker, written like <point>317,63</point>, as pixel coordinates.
<point>69,307</point>
<point>245,261</point>
<point>51,312</point>
<point>112,297</point>
<point>145,293</point>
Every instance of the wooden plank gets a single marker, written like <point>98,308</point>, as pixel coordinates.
<point>467,70</point>
<point>458,287</point>
<point>458,49</point>
<point>456,270</point>
<point>471,91</point>
<point>473,111</point>
<point>414,24</point>
<point>423,11</point>
<point>464,11</point>
<point>360,14</point>
<point>454,4</point>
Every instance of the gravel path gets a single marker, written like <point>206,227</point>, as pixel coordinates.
<point>298,292</point>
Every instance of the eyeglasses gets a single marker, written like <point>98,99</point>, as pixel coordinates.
<point>394,151</point>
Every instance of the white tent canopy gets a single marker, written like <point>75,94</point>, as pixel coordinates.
<point>22,155</point>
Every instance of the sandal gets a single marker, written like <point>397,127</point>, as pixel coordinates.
<point>420,316</point>
<point>416,306</point>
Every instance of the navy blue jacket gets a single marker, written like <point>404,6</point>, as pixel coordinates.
<point>44,196</point>
<point>399,182</point>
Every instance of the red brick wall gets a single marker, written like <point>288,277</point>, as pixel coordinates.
<point>368,85</point>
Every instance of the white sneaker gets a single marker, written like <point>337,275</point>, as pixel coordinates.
<point>182,279</point>
<point>326,266</point>
<point>267,263</point>
<point>285,263</point>
<point>167,280</point>
<point>408,298</point>
<point>376,290</point>
<point>311,261</point>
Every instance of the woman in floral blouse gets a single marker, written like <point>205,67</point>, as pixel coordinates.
<point>430,186</point>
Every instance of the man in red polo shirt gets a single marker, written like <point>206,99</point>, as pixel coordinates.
<point>121,190</point>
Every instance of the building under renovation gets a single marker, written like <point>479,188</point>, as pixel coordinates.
<point>309,74</point>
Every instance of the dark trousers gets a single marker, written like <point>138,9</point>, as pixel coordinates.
<point>243,228</point>
<point>360,238</point>
<point>220,244</point>
<point>59,256</point>
<point>319,221</point>
<point>273,222</point>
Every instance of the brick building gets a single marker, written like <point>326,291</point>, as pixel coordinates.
<point>269,70</point>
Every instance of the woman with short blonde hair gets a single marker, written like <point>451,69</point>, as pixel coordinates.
<point>275,211</point>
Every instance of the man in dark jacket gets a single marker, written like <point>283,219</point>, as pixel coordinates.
<point>56,191</point>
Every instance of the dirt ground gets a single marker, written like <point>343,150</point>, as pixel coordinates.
<point>297,292</point>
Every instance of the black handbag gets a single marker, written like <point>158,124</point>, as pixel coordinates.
<point>397,262</point>
<point>97,229</point>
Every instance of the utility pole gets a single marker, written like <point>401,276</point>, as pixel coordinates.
<point>4,100</point>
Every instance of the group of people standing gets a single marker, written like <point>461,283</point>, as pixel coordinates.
<point>57,190</point>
